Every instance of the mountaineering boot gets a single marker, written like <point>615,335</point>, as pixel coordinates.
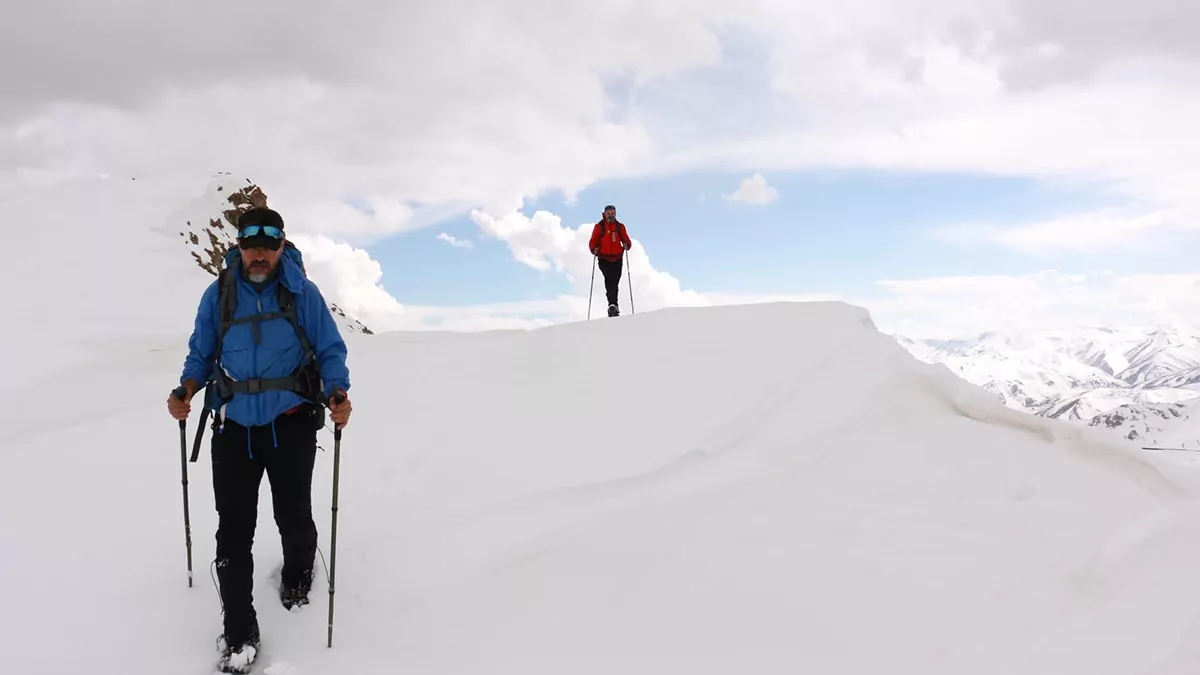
<point>296,595</point>
<point>613,311</point>
<point>239,652</point>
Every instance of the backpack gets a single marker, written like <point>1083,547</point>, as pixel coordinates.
<point>305,380</point>
<point>610,236</point>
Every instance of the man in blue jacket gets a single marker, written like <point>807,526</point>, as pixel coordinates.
<point>270,379</point>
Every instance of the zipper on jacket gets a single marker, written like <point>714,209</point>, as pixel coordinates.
<point>254,361</point>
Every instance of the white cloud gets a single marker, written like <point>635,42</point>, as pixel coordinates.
<point>543,243</point>
<point>928,307</point>
<point>934,85</point>
<point>958,306</point>
<point>754,190</point>
<point>1113,229</point>
<point>525,315</point>
<point>325,107</point>
<point>935,307</point>
<point>350,278</point>
<point>455,241</point>
<point>367,125</point>
<point>321,109</point>
<point>963,306</point>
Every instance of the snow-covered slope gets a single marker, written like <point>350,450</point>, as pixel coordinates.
<point>1187,380</point>
<point>206,226</point>
<point>1162,354</point>
<point>83,273</point>
<point>1149,423</point>
<point>709,502</point>
<point>1087,406</point>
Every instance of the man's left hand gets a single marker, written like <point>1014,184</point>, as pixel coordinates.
<point>340,412</point>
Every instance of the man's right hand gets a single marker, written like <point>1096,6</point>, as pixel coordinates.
<point>181,408</point>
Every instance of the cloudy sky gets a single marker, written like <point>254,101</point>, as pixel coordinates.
<point>441,163</point>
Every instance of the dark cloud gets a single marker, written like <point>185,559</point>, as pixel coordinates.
<point>119,53</point>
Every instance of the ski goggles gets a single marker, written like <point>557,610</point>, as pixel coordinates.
<point>265,236</point>
<point>267,230</point>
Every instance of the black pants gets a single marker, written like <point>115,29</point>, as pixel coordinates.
<point>612,277</point>
<point>287,453</point>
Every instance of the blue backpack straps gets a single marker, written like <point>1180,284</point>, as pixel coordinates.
<point>301,382</point>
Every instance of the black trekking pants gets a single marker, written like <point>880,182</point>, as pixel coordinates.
<point>240,455</point>
<point>612,277</point>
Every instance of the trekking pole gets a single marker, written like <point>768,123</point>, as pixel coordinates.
<point>179,393</point>
<point>591,287</point>
<point>629,275</point>
<point>338,397</point>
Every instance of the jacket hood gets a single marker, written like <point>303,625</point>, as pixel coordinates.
<point>290,274</point>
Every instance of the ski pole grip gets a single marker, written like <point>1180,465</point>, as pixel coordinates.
<point>339,398</point>
<point>180,392</point>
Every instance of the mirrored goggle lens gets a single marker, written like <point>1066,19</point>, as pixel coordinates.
<point>252,230</point>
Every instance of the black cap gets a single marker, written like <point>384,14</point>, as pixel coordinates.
<point>259,216</point>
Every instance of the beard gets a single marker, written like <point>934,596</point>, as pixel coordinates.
<point>258,272</point>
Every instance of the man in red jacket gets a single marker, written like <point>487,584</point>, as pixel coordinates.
<point>608,243</point>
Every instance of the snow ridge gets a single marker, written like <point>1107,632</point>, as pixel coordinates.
<point>732,513</point>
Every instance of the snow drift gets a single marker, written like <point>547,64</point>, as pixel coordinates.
<point>756,489</point>
<point>769,488</point>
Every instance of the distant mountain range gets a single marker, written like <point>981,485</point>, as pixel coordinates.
<point>1143,383</point>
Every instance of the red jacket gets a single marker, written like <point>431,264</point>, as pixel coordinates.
<point>610,239</point>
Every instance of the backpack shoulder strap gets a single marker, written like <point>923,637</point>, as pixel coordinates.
<point>287,307</point>
<point>226,304</point>
<point>302,381</point>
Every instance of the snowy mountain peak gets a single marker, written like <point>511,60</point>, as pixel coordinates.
<point>211,236</point>
<point>1132,380</point>
<point>210,231</point>
<point>1164,352</point>
<point>1144,422</point>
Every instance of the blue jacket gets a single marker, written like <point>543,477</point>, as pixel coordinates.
<point>279,354</point>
